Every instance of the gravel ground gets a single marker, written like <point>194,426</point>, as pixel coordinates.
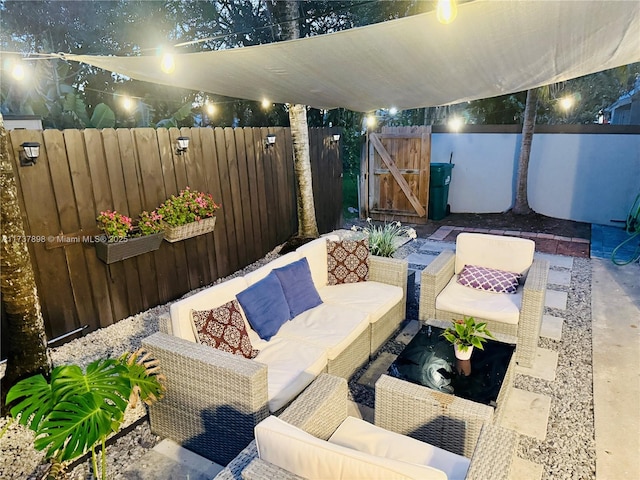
<point>567,453</point>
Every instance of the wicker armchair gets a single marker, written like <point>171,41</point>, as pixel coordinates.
<point>491,251</point>
<point>322,407</point>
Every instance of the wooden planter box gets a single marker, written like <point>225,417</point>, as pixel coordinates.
<point>110,252</point>
<point>175,234</point>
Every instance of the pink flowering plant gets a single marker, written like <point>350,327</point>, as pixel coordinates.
<point>150,223</point>
<point>118,226</point>
<point>190,206</point>
<point>114,224</point>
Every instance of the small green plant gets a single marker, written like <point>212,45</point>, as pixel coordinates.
<point>382,238</point>
<point>467,333</point>
<point>75,411</point>
<point>190,206</point>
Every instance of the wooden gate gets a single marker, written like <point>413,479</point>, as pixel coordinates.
<point>398,163</point>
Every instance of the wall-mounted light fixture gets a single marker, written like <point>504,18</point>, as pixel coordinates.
<point>182,145</point>
<point>29,154</point>
<point>335,138</point>
<point>270,140</point>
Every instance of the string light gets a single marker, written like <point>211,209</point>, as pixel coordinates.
<point>168,64</point>
<point>371,121</point>
<point>18,72</point>
<point>455,124</point>
<point>566,103</point>
<point>211,109</point>
<point>265,103</point>
<point>127,103</point>
<point>393,111</point>
<point>446,11</point>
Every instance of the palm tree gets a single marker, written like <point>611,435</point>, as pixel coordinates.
<point>307,225</point>
<point>521,206</point>
<point>27,342</point>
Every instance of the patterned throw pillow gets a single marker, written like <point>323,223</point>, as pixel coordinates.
<point>223,328</point>
<point>348,261</point>
<point>489,279</point>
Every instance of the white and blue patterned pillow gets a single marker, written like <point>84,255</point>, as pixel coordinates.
<point>489,279</point>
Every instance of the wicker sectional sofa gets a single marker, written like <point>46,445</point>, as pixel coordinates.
<point>214,399</point>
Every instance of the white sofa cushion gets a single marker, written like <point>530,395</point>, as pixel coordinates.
<point>511,254</point>
<point>257,275</point>
<point>331,327</point>
<point>208,298</point>
<point>365,437</point>
<point>501,307</point>
<point>291,366</point>
<point>375,298</point>
<point>316,254</point>
<point>303,454</point>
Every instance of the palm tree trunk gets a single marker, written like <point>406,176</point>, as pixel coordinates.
<point>26,339</point>
<point>521,206</point>
<point>307,225</point>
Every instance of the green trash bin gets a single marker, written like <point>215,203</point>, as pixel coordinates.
<point>439,190</point>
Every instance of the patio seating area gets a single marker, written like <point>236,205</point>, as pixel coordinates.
<point>550,399</point>
<point>551,406</point>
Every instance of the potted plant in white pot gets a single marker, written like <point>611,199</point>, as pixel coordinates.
<point>466,334</point>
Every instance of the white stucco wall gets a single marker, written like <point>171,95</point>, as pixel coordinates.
<point>585,177</point>
<point>588,178</point>
<point>483,175</point>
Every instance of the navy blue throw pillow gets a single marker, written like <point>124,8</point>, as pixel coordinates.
<point>265,306</point>
<point>298,287</point>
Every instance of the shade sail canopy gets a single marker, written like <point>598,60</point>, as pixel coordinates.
<point>492,48</point>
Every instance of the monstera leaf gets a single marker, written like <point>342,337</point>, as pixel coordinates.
<point>142,374</point>
<point>76,409</point>
<point>104,377</point>
<point>77,424</point>
<point>36,399</point>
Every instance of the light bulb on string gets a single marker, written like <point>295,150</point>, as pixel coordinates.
<point>168,64</point>
<point>446,11</point>
<point>127,103</point>
<point>18,72</point>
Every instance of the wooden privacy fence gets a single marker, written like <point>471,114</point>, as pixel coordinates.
<point>82,172</point>
<point>397,171</point>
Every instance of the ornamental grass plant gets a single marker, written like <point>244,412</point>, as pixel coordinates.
<point>383,239</point>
